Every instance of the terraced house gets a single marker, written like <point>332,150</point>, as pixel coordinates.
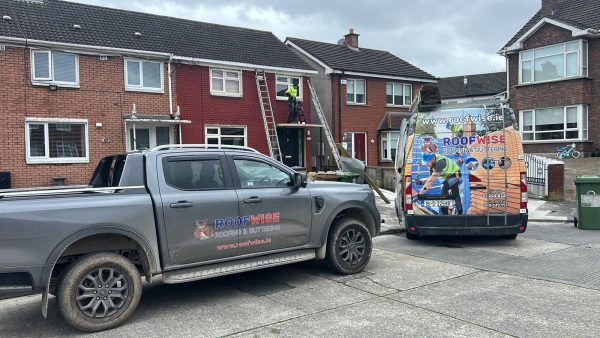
<point>365,94</point>
<point>81,82</point>
<point>554,76</point>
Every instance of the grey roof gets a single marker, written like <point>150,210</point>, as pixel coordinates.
<point>477,85</point>
<point>362,60</point>
<point>581,14</point>
<point>53,20</point>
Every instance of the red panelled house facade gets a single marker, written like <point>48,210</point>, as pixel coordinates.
<point>82,82</point>
<point>554,76</point>
<point>365,94</point>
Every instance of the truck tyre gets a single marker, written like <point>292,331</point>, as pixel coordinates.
<point>348,246</point>
<point>99,292</point>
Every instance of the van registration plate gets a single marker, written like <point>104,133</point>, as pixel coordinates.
<point>438,203</point>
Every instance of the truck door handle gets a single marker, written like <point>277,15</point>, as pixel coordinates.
<point>253,199</point>
<point>182,204</point>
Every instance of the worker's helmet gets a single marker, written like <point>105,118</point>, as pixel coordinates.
<point>426,157</point>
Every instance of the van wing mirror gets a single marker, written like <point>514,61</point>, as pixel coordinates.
<point>299,180</point>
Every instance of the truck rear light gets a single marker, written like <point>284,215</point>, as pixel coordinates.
<point>408,195</point>
<point>473,178</point>
<point>412,228</point>
<point>524,196</point>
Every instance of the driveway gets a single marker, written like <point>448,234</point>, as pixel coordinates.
<point>544,283</point>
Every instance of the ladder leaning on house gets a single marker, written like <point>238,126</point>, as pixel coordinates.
<point>266,107</point>
<point>325,125</point>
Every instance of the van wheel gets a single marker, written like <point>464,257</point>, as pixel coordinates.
<point>411,236</point>
<point>99,292</point>
<point>348,246</point>
<point>513,236</point>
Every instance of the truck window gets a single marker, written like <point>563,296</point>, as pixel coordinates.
<point>108,172</point>
<point>256,174</point>
<point>196,174</point>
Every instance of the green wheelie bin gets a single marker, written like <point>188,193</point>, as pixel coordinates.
<point>587,189</point>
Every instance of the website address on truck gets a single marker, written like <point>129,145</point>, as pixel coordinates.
<point>251,242</point>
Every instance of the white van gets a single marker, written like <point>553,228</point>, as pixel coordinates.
<point>460,170</point>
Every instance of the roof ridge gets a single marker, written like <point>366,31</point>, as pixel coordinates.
<point>335,44</point>
<point>489,73</point>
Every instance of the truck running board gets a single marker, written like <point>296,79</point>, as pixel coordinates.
<point>228,268</point>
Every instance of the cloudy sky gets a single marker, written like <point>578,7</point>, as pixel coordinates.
<point>442,37</point>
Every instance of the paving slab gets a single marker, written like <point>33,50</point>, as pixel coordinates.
<point>522,246</point>
<point>515,305</point>
<point>373,318</point>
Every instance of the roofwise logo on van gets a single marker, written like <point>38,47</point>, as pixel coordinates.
<point>455,141</point>
<point>451,121</point>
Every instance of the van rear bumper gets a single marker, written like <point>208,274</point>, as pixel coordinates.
<point>466,225</point>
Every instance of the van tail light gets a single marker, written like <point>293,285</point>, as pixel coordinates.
<point>524,196</point>
<point>408,206</point>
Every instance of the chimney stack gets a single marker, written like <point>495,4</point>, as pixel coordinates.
<point>351,39</point>
<point>548,6</point>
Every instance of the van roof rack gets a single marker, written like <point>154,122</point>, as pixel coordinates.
<point>203,146</point>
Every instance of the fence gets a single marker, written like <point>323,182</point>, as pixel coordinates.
<point>539,170</point>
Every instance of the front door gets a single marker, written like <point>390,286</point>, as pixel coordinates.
<point>197,200</point>
<point>291,143</point>
<point>357,145</point>
<point>273,214</point>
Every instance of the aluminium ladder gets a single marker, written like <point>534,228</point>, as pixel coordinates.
<point>328,135</point>
<point>268,117</point>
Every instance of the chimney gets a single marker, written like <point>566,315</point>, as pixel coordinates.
<point>548,6</point>
<point>351,39</point>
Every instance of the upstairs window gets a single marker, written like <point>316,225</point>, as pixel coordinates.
<point>552,63</point>
<point>51,67</point>
<point>282,82</point>
<point>355,91</point>
<point>143,76</point>
<point>398,94</point>
<point>225,82</point>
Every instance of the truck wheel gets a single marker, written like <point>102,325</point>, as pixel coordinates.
<point>99,292</point>
<point>348,246</point>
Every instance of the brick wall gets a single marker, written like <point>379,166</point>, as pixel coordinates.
<point>100,98</point>
<point>367,117</point>
<point>202,108</point>
<point>559,93</point>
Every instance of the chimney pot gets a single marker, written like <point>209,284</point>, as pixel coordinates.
<point>548,6</point>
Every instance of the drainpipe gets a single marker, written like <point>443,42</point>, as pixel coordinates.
<point>170,86</point>
<point>507,78</point>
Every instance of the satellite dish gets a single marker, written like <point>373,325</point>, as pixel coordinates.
<point>341,41</point>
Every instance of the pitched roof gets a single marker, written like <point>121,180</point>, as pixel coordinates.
<point>477,85</point>
<point>363,60</point>
<point>53,20</point>
<point>392,120</point>
<point>581,14</point>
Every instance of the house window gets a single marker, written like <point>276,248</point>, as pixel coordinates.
<point>148,136</point>
<point>225,82</point>
<point>389,144</point>
<point>355,91</point>
<point>398,94</point>
<point>144,76</point>
<point>227,135</point>
<point>282,82</point>
<point>56,141</point>
<point>50,67</point>
<point>555,124</point>
<point>556,62</point>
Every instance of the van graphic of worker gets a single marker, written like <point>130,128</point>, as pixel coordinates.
<point>446,169</point>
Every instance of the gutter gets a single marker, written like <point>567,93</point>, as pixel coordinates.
<point>142,53</point>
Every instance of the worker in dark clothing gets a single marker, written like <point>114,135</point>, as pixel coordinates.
<point>292,94</point>
<point>444,167</point>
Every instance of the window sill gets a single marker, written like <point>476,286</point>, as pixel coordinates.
<point>225,94</point>
<point>554,81</point>
<point>281,98</point>
<point>58,84</point>
<point>145,90</point>
<point>386,161</point>
<point>396,106</point>
<point>556,141</point>
<point>57,161</point>
<point>357,104</point>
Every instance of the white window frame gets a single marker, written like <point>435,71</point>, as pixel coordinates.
<point>582,62</point>
<point>151,133</point>
<point>140,87</point>
<point>220,136</point>
<point>582,125</point>
<point>47,159</point>
<point>289,82</point>
<point>385,136</point>
<point>404,87</point>
<point>353,102</point>
<point>50,80</point>
<point>223,92</point>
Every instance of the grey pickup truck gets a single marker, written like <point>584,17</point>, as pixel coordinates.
<point>187,212</point>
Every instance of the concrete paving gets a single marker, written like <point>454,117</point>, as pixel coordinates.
<point>544,283</point>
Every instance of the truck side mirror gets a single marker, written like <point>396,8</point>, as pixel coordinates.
<point>299,180</point>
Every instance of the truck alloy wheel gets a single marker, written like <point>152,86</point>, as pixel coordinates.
<point>348,246</point>
<point>99,291</point>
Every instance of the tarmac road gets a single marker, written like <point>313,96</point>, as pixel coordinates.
<point>545,283</point>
